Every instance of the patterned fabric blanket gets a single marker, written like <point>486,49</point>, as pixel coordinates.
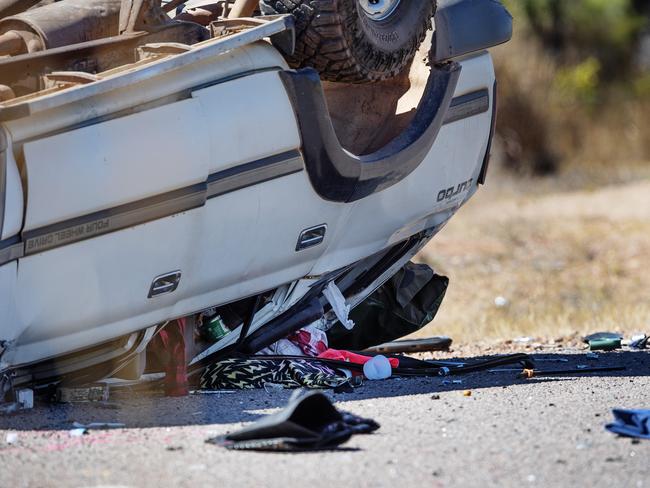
<point>247,373</point>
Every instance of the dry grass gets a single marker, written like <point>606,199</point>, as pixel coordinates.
<point>569,261</point>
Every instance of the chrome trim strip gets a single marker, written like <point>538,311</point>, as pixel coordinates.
<point>254,173</point>
<point>148,209</point>
<point>465,106</point>
<point>113,219</point>
<point>11,249</point>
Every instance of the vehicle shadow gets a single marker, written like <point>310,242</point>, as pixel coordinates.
<point>147,409</point>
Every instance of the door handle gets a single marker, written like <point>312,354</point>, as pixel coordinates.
<point>311,237</point>
<point>164,284</point>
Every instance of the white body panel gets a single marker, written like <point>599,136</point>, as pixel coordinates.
<point>234,245</point>
<point>13,220</point>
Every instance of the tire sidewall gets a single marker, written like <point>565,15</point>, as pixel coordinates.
<point>396,31</point>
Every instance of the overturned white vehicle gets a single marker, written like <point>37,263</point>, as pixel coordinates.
<point>151,167</point>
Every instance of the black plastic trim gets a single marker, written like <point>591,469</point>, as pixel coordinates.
<point>467,26</point>
<point>493,125</point>
<point>468,105</point>
<point>3,177</point>
<point>254,173</point>
<point>10,249</point>
<point>340,176</point>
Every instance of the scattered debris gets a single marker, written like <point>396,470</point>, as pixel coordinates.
<point>99,425</point>
<point>604,344</point>
<point>8,408</point>
<point>631,423</point>
<point>25,398</point>
<point>77,432</point>
<point>378,368</point>
<point>11,438</point>
<point>639,341</point>
<point>501,302</point>
<point>273,387</point>
<point>453,382</point>
<point>532,373</point>
<point>212,392</point>
<point>435,397</point>
<point>403,305</point>
<point>82,394</point>
<point>169,344</point>
<point>600,336</point>
<point>603,341</point>
<point>467,393</point>
<point>213,328</point>
<point>309,422</point>
<point>522,340</point>
<point>339,306</point>
<point>441,343</point>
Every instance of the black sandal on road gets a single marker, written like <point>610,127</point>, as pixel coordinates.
<point>309,422</point>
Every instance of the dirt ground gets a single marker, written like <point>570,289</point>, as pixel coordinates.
<point>562,260</point>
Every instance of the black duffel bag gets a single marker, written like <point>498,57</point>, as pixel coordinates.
<point>403,305</point>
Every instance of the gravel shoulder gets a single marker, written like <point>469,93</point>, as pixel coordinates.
<point>509,432</point>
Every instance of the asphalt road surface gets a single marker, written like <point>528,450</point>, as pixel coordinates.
<point>509,432</point>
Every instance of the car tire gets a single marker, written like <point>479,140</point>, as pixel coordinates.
<point>345,42</point>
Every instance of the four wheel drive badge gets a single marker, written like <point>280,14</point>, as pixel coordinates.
<point>451,192</point>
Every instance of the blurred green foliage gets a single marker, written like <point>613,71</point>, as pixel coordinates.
<point>574,87</point>
<point>579,83</point>
<point>583,32</point>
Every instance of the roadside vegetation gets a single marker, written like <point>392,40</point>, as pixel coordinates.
<point>560,231</point>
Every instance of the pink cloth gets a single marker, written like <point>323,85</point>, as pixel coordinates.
<point>352,357</point>
<point>308,341</point>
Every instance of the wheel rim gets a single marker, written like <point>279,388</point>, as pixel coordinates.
<point>378,9</point>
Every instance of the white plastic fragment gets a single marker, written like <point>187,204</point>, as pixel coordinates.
<point>378,368</point>
<point>452,382</point>
<point>77,432</point>
<point>639,341</point>
<point>523,340</point>
<point>273,387</point>
<point>337,301</point>
<point>212,392</point>
<point>25,398</point>
<point>501,302</point>
<point>8,408</point>
<point>99,425</point>
<point>12,438</point>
